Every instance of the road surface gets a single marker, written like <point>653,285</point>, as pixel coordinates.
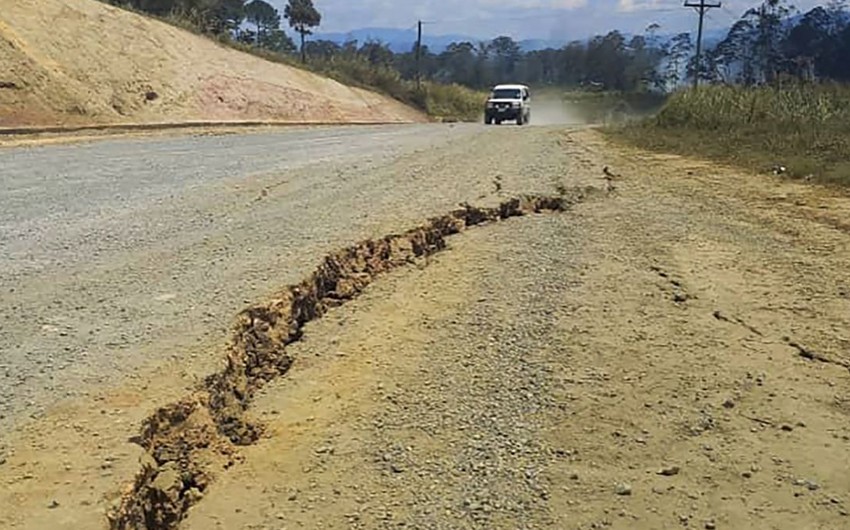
<point>109,248</point>
<point>671,352</point>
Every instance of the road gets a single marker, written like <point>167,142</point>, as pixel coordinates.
<point>671,352</point>
<point>108,247</point>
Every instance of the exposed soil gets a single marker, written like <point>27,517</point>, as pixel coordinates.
<point>673,354</point>
<point>184,440</point>
<point>150,72</point>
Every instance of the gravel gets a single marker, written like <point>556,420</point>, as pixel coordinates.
<point>486,394</point>
<point>123,254</point>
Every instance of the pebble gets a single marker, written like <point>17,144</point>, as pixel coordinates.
<point>710,525</point>
<point>53,504</point>
<point>623,489</point>
<point>669,471</point>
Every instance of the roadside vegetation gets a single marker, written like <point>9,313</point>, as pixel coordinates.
<point>777,97</point>
<point>609,78</point>
<point>800,130</point>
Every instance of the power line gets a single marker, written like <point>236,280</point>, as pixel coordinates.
<point>702,7</point>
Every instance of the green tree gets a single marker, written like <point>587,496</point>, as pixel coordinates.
<point>265,17</point>
<point>303,17</point>
<point>505,54</point>
<point>681,49</point>
<point>278,41</point>
<point>457,64</point>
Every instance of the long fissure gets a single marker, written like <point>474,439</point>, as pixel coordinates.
<point>186,443</point>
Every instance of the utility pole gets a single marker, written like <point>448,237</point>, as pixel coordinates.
<point>701,7</point>
<point>419,58</point>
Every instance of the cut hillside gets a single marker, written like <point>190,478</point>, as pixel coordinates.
<point>81,62</point>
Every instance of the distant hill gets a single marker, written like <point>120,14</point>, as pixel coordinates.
<point>403,40</point>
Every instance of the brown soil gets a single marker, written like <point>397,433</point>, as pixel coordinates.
<point>672,354</point>
<point>189,441</point>
<point>76,62</point>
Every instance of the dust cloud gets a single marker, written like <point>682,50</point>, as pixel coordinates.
<point>551,109</point>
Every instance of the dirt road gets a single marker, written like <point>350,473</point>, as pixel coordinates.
<point>670,352</point>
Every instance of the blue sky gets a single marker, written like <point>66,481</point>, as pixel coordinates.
<point>522,19</point>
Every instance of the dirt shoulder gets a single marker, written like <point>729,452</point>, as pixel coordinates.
<point>673,355</point>
<point>671,352</point>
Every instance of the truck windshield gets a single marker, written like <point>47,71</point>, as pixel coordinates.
<point>506,93</point>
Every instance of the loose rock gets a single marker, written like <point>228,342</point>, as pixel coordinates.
<point>669,471</point>
<point>623,489</point>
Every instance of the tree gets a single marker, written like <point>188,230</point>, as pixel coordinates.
<point>265,17</point>
<point>303,17</point>
<point>377,53</point>
<point>681,48</point>
<point>573,70</point>
<point>278,41</point>
<point>457,64</point>
<point>220,16</point>
<point>770,32</point>
<point>324,49</point>
<point>505,53</point>
<point>607,60</point>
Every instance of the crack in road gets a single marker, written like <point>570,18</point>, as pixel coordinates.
<point>186,441</point>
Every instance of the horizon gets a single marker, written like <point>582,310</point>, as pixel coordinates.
<point>556,20</point>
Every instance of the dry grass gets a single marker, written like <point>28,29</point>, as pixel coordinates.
<point>805,128</point>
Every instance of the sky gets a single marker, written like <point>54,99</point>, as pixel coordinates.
<point>524,19</point>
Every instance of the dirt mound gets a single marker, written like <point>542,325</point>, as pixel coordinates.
<point>74,62</point>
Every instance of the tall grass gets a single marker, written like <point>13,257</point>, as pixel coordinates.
<point>802,127</point>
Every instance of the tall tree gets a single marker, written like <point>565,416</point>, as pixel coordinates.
<point>303,17</point>
<point>505,53</point>
<point>681,49</point>
<point>278,41</point>
<point>770,32</point>
<point>264,16</point>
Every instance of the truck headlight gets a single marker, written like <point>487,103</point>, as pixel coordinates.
<point>516,104</point>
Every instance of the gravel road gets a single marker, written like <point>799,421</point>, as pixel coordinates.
<point>669,353</point>
<point>127,252</point>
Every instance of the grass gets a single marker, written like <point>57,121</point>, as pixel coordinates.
<point>803,127</point>
<point>443,102</point>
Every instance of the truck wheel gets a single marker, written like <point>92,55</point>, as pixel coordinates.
<point>519,119</point>
<point>488,121</point>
